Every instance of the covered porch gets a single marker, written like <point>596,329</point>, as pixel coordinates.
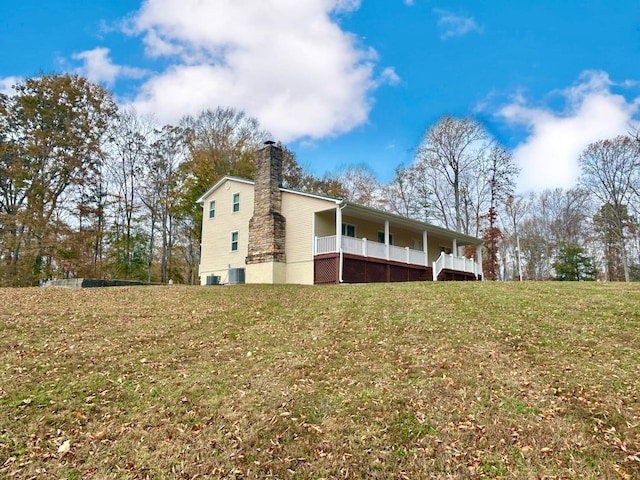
<point>356,244</point>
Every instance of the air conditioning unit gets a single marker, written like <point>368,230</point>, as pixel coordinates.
<point>213,280</point>
<point>236,276</point>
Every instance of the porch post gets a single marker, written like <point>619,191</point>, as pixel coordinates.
<point>386,237</point>
<point>424,247</point>
<point>454,247</point>
<point>338,229</point>
<point>339,241</point>
<point>313,235</point>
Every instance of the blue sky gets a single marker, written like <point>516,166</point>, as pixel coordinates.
<point>355,81</point>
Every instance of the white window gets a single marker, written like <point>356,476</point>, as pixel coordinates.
<point>236,202</point>
<point>348,230</point>
<point>234,241</point>
<point>212,209</point>
<point>381,238</point>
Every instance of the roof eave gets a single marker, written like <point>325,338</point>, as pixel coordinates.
<point>220,182</point>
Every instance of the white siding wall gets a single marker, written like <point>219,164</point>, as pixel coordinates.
<point>326,223</point>
<point>299,210</point>
<point>216,232</point>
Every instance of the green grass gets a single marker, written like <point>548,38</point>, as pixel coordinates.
<point>429,380</point>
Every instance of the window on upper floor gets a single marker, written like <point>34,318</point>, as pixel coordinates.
<point>236,202</point>
<point>212,209</point>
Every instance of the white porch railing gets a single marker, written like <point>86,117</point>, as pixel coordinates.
<point>461,264</point>
<point>375,250</point>
<point>398,254</point>
<point>367,248</point>
<point>326,245</point>
<point>417,256</point>
<point>353,245</point>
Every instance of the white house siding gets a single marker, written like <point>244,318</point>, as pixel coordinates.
<point>434,245</point>
<point>326,223</point>
<point>305,215</point>
<point>299,211</point>
<point>364,229</point>
<point>216,232</point>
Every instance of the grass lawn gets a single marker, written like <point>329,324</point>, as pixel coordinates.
<point>406,381</point>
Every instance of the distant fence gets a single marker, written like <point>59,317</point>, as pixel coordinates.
<point>90,283</point>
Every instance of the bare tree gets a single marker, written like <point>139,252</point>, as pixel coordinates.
<point>402,195</point>
<point>607,227</point>
<point>500,172</point>
<point>554,218</point>
<point>159,193</point>
<point>516,208</point>
<point>361,185</point>
<point>450,152</point>
<point>609,168</point>
<point>129,151</point>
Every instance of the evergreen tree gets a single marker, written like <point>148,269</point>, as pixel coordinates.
<point>573,265</point>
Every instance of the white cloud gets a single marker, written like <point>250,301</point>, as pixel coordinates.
<point>344,6</point>
<point>452,25</point>
<point>98,67</point>
<point>285,62</point>
<point>549,155</point>
<point>409,2</point>
<point>389,77</point>
<point>7,83</point>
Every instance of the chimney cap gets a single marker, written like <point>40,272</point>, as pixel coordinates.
<point>269,142</point>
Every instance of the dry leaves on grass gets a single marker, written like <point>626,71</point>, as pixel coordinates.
<point>368,381</point>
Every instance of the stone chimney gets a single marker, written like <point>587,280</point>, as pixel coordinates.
<point>267,226</point>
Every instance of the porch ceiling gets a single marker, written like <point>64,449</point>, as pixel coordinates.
<point>370,214</point>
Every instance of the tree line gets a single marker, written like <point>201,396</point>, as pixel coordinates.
<point>88,189</point>
<point>462,179</point>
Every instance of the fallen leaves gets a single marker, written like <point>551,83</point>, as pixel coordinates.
<point>621,472</point>
<point>406,381</point>
<point>65,447</point>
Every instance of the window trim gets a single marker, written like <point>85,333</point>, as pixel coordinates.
<point>235,205</point>
<point>212,203</point>
<point>235,242</point>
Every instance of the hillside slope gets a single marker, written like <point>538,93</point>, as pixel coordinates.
<point>429,380</point>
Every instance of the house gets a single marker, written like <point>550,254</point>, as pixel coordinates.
<point>260,232</point>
